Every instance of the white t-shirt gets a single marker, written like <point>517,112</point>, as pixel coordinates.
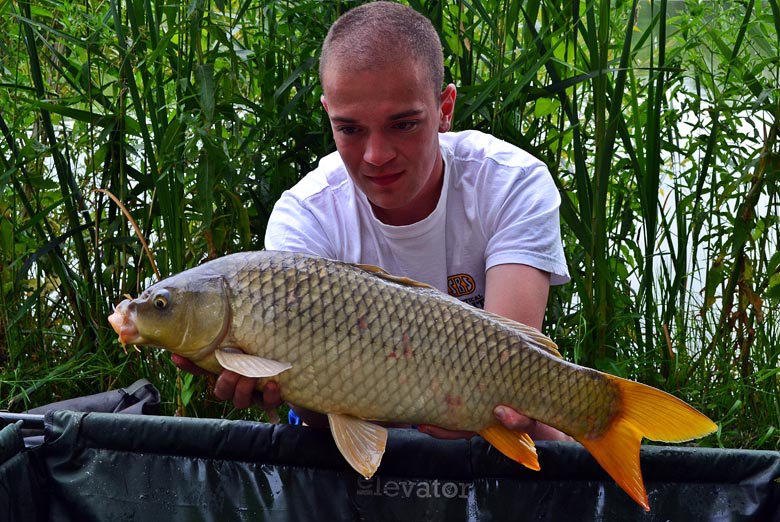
<point>498,205</point>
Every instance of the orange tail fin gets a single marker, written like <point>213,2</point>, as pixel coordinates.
<point>644,412</point>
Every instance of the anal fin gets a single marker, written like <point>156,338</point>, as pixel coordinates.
<point>362,443</point>
<point>518,446</point>
<point>250,365</point>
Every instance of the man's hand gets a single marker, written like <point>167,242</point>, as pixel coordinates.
<point>509,418</point>
<point>233,387</point>
<point>518,422</point>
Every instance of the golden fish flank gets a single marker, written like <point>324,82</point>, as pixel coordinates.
<point>359,344</point>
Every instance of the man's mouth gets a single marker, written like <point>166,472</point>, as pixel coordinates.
<point>384,180</point>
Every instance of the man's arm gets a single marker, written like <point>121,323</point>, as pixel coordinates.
<point>519,292</point>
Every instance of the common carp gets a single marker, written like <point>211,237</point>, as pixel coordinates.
<point>362,345</point>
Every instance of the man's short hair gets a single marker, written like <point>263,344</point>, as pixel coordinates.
<point>384,33</point>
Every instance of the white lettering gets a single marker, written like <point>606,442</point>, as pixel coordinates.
<point>391,488</point>
<point>407,486</point>
<point>449,490</point>
<point>364,487</point>
<point>378,487</point>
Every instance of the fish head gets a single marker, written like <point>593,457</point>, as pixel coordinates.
<point>187,314</point>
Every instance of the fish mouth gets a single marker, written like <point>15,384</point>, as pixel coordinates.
<point>124,325</point>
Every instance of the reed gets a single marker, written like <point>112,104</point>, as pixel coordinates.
<point>658,120</point>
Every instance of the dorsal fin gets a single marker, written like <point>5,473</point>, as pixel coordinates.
<point>537,337</point>
<point>384,274</point>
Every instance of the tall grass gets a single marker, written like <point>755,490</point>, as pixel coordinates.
<point>658,120</point>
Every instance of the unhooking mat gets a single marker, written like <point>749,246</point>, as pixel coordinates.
<point>116,467</point>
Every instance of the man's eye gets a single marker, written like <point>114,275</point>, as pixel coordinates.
<point>348,131</point>
<point>405,125</point>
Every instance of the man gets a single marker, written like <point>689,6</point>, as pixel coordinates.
<point>465,212</point>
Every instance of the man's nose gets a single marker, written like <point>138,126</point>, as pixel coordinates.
<point>378,150</point>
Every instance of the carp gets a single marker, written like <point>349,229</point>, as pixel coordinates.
<point>361,345</point>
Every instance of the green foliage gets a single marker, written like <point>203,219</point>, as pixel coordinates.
<point>658,120</point>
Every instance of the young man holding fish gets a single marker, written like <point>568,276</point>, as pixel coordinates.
<point>464,212</point>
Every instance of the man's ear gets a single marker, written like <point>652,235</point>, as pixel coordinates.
<point>324,103</point>
<point>447,107</point>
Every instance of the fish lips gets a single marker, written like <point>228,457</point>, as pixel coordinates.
<point>123,323</point>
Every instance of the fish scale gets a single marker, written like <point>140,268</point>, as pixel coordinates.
<point>361,345</point>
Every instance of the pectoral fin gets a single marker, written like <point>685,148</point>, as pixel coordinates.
<point>361,442</point>
<point>518,446</point>
<point>250,365</point>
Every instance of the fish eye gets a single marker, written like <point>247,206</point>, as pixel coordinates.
<point>160,301</point>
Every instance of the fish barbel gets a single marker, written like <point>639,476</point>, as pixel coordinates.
<point>361,345</point>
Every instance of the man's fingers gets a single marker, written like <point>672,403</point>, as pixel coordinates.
<point>187,365</point>
<point>441,433</point>
<point>225,387</point>
<point>241,390</point>
<point>513,420</point>
<point>518,422</point>
<point>243,395</point>
<point>231,386</point>
<point>272,397</point>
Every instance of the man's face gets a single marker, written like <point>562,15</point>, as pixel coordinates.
<point>385,122</point>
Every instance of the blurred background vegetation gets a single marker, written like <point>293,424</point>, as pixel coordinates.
<point>658,120</point>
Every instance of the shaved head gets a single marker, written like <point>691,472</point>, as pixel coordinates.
<point>382,34</point>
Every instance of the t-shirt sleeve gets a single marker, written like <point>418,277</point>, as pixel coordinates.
<point>524,222</point>
<point>292,227</point>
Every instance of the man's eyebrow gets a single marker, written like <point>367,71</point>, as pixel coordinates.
<point>392,117</point>
<point>342,119</point>
<point>405,114</point>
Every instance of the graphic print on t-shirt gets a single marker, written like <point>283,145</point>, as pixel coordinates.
<point>460,285</point>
